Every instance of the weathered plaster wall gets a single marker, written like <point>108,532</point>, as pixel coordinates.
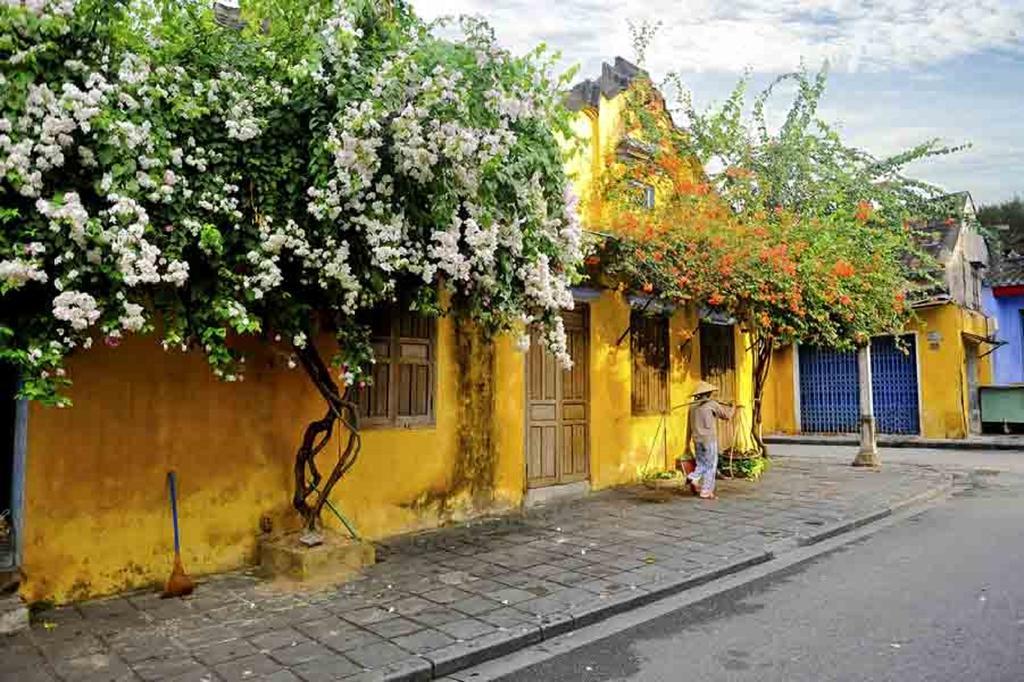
<point>780,408</point>
<point>97,518</point>
<point>943,378</point>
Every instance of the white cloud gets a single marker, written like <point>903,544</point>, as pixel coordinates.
<point>764,35</point>
<point>903,71</point>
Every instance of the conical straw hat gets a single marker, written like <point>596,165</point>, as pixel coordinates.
<point>704,387</point>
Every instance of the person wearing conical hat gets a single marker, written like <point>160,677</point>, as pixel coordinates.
<point>704,434</point>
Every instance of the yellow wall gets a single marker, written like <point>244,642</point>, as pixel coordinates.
<point>942,377</point>
<point>779,407</point>
<point>944,368</point>
<point>97,518</point>
<point>621,443</point>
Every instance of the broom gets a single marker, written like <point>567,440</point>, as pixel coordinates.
<point>179,584</point>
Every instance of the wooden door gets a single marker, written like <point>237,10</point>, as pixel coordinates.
<point>718,367</point>
<point>557,409</point>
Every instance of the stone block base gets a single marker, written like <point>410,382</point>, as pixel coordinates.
<point>285,558</point>
<point>13,614</point>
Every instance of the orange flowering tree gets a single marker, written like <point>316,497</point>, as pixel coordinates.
<point>797,236</point>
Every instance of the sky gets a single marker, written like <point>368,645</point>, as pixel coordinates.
<point>901,71</point>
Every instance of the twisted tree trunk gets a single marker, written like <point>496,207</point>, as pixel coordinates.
<point>341,407</point>
<point>764,347</point>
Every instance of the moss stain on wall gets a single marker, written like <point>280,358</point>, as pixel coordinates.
<point>470,487</point>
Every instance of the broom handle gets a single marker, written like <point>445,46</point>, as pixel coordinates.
<point>172,480</point>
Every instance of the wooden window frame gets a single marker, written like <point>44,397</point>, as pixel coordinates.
<point>395,362</point>
<point>640,323</point>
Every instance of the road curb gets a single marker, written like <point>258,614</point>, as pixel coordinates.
<point>872,517</point>
<point>463,655</point>
<point>924,497</point>
<point>788,560</point>
<point>842,527</point>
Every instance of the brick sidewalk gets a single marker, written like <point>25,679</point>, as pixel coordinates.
<point>441,601</point>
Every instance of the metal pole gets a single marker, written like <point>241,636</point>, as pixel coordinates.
<point>341,517</point>
<point>868,455</point>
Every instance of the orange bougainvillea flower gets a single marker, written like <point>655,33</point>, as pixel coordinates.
<point>715,299</point>
<point>593,260</point>
<point>648,287</point>
<point>898,301</point>
<point>864,211</point>
<point>845,300</point>
<point>842,268</point>
<point>671,164</point>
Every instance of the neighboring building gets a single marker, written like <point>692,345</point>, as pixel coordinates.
<point>1003,297</point>
<point>453,427</point>
<point>927,383</point>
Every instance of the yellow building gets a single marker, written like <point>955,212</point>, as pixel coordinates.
<point>477,427</point>
<point>927,387</point>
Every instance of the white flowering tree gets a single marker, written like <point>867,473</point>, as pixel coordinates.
<point>161,173</point>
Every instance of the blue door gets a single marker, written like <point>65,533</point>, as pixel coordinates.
<point>894,379</point>
<point>830,394</point>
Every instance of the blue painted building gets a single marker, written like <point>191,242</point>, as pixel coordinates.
<point>1003,300</point>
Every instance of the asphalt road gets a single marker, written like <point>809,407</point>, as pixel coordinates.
<point>937,597</point>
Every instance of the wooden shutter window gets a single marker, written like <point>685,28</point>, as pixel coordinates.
<point>414,342</point>
<point>402,393</point>
<point>649,346</point>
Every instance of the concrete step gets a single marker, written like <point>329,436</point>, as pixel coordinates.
<point>13,614</point>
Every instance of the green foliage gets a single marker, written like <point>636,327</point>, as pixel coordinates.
<point>1009,213</point>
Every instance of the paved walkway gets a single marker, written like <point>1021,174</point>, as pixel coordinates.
<point>991,442</point>
<point>444,600</point>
